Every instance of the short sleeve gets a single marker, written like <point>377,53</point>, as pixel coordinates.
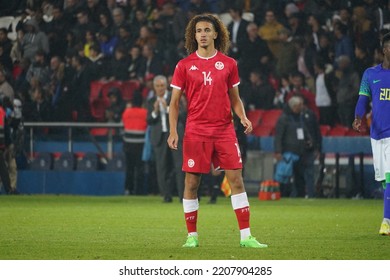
<point>178,79</point>
<point>234,78</point>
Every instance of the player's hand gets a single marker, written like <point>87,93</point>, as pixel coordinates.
<point>357,124</point>
<point>173,140</point>
<point>247,124</point>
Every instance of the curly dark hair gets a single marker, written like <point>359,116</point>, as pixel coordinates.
<point>221,42</point>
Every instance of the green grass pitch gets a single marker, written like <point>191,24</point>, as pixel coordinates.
<point>127,228</point>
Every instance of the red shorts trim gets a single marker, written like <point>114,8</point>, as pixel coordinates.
<point>198,156</point>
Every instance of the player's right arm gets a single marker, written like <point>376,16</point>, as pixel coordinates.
<point>173,138</point>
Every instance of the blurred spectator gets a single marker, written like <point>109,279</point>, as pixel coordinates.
<point>116,107</point>
<point>79,89</point>
<point>199,6</point>
<point>38,70</point>
<point>134,122</point>
<point>296,25</point>
<point>105,21</point>
<point>98,64</point>
<point>33,40</point>
<point>135,66</point>
<point>119,65</point>
<point>107,43</point>
<point>4,142</point>
<point>270,31</point>
<point>5,87</point>
<point>5,50</point>
<point>288,58</point>
<point>56,31</point>
<point>57,72</point>
<point>326,51</point>
<point>94,7</point>
<point>125,38</point>
<point>71,9</point>
<point>363,59</point>
<point>89,40</point>
<point>83,25</point>
<point>282,91</point>
<point>363,28</point>
<point>255,53</point>
<point>20,80</point>
<point>131,9</point>
<point>313,147</point>
<point>325,85</point>
<point>343,44</point>
<point>119,19</point>
<point>375,12</point>
<point>238,31</point>
<point>151,63</point>
<point>41,109</point>
<point>299,89</point>
<point>146,37</point>
<point>258,94</point>
<point>305,61</point>
<point>315,31</point>
<point>347,90</point>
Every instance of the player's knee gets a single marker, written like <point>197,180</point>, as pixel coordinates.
<point>237,184</point>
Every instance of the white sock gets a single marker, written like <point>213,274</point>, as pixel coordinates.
<point>245,233</point>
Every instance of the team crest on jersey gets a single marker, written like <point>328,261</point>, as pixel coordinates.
<point>219,65</point>
<point>191,163</point>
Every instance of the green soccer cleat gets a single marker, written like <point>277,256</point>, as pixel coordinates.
<point>191,242</point>
<point>385,228</point>
<point>251,242</point>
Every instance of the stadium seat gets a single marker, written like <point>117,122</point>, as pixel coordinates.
<point>66,162</point>
<point>263,131</point>
<point>128,88</point>
<point>338,131</point>
<point>117,163</point>
<point>270,117</point>
<point>42,161</point>
<point>88,162</point>
<point>101,131</point>
<point>98,98</point>
<point>325,129</point>
<point>255,116</point>
<point>354,133</point>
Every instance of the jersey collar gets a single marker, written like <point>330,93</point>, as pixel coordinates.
<point>207,58</point>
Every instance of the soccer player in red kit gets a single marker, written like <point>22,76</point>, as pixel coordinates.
<point>209,79</point>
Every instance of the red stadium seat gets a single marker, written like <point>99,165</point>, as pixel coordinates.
<point>270,117</point>
<point>262,131</point>
<point>128,88</point>
<point>354,133</point>
<point>325,129</point>
<point>338,131</point>
<point>101,131</point>
<point>98,99</point>
<point>255,116</point>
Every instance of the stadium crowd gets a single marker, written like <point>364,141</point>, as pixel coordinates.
<point>318,49</point>
<point>56,56</point>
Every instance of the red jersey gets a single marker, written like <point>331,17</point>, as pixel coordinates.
<point>205,83</point>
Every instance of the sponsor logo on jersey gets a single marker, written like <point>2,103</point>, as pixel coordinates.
<point>193,68</point>
<point>376,81</point>
<point>219,65</point>
<point>191,163</point>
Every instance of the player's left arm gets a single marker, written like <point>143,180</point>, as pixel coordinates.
<point>239,109</point>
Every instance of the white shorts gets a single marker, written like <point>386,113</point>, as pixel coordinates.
<point>381,157</point>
